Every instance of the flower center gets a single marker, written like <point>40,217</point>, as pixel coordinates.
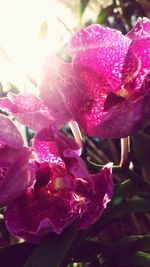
<point>112,100</point>
<point>123,92</point>
<point>53,179</point>
<point>58,183</point>
<point>42,175</point>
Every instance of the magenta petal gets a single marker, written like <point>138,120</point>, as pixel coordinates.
<point>33,216</point>
<point>50,140</point>
<point>28,109</point>
<point>137,64</point>
<point>144,93</point>
<point>93,94</point>
<point>52,146</point>
<point>112,68</point>
<point>97,200</point>
<point>9,134</point>
<point>110,123</point>
<point>58,90</point>
<point>14,174</point>
<point>57,198</point>
<point>65,143</point>
<point>102,50</point>
<point>37,213</point>
<point>131,69</point>
<point>140,30</point>
<point>46,149</point>
<point>135,108</point>
<point>76,165</point>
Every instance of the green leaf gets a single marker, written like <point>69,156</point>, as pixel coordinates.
<point>131,206</point>
<point>101,253</point>
<point>126,189</point>
<point>129,174</point>
<point>113,211</point>
<point>126,246</point>
<point>103,14</point>
<point>16,254</point>
<point>122,172</point>
<point>138,259</point>
<point>141,146</point>
<point>89,249</point>
<point>54,250</point>
<point>83,5</point>
<point>110,253</point>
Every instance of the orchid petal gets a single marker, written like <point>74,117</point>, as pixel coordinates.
<point>52,146</point>
<point>9,134</point>
<point>34,215</point>
<point>140,30</point>
<point>98,200</point>
<point>58,90</point>
<point>14,174</point>
<point>39,216</point>
<point>28,110</point>
<point>102,50</point>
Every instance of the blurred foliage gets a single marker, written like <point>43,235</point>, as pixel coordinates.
<point>83,4</point>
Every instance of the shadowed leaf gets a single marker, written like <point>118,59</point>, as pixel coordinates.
<point>54,250</point>
<point>141,145</point>
<point>83,4</point>
<point>103,14</point>
<point>115,211</point>
<point>16,254</point>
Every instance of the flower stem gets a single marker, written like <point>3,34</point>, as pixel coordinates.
<point>124,150</point>
<point>76,133</point>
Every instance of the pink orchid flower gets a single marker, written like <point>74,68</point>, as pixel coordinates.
<point>14,157</point>
<point>105,89</point>
<point>114,71</point>
<point>62,190</point>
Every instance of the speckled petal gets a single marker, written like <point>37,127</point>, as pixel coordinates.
<point>33,216</point>
<point>135,109</point>
<point>9,134</point>
<point>52,146</point>
<point>28,109</point>
<point>98,200</point>
<point>14,174</point>
<point>144,93</point>
<point>140,30</point>
<point>58,90</point>
<point>46,149</point>
<point>137,64</point>
<point>69,151</point>
<point>103,50</point>
<point>111,68</point>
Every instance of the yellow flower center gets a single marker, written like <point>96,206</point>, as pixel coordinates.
<point>59,183</point>
<point>123,92</point>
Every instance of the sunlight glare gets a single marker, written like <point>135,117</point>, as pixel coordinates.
<point>29,31</point>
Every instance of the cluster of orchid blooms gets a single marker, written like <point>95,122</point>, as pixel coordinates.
<point>106,90</point>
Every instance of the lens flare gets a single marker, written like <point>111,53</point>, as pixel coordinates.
<point>29,31</point>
